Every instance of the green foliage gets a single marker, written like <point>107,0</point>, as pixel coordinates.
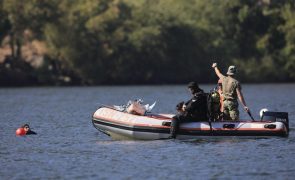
<point>4,22</point>
<point>288,51</point>
<point>156,41</point>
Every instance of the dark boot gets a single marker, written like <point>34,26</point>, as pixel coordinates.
<point>173,128</point>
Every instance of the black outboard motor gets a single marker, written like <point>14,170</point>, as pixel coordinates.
<point>276,117</point>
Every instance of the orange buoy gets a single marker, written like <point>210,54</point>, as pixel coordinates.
<point>20,132</point>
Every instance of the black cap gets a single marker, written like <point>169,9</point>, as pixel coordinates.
<point>25,125</point>
<point>193,85</point>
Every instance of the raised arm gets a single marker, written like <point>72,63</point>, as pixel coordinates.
<point>218,73</point>
<point>242,100</point>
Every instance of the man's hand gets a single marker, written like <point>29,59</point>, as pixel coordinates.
<point>183,107</point>
<point>214,65</point>
<point>246,109</point>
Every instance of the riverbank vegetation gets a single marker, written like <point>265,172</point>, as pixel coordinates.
<point>93,42</point>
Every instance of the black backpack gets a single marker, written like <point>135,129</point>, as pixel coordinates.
<point>213,105</point>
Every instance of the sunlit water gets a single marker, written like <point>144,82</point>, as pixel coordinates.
<point>69,147</point>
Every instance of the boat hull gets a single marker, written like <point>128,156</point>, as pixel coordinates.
<point>120,125</point>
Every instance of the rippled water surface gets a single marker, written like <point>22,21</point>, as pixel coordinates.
<point>69,147</point>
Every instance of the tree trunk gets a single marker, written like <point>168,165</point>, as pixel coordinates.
<point>11,43</point>
<point>18,48</point>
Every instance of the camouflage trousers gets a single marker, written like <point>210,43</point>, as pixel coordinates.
<point>230,110</point>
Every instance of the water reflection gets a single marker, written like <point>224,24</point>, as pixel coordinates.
<point>69,147</point>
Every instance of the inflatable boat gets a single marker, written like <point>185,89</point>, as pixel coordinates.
<point>123,125</point>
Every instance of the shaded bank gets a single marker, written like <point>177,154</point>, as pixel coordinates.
<point>17,72</point>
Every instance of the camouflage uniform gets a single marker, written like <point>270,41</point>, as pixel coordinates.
<point>230,101</point>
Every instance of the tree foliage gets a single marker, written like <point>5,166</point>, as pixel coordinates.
<point>155,41</point>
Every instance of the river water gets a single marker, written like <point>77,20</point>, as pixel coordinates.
<point>69,147</point>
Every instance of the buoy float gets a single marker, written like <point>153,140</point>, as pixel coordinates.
<point>20,132</point>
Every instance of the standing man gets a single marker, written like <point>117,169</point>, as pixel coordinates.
<point>231,90</point>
